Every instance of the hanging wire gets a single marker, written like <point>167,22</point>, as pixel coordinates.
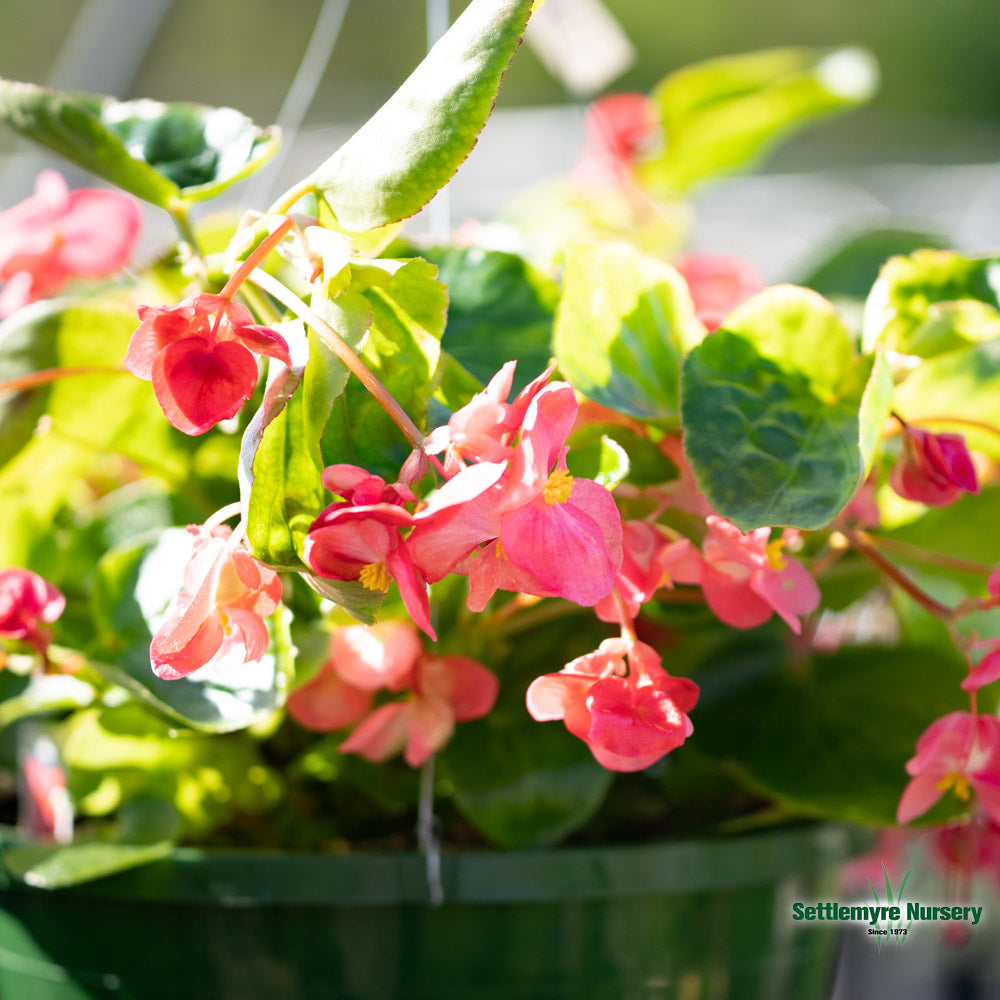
<point>300,96</point>
<point>439,210</point>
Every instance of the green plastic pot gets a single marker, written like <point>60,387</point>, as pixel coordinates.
<point>677,921</point>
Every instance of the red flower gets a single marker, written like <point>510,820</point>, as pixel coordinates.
<point>26,600</point>
<point>618,129</point>
<point>620,702</point>
<point>218,616</point>
<point>202,369</point>
<point>57,234</point>
<point>359,538</point>
<point>934,469</point>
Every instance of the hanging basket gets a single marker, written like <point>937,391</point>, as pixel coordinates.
<point>674,921</point>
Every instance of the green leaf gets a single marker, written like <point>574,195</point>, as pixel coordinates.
<point>133,586</point>
<point>158,152</point>
<point>962,384</point>
<point>933,301</point>
<point>780,420</point>
<point>853,719</point>
<point>403,349</point>
<point>624,323</point>
<point>522,783</point>
<point>500,309</point>
<point>852,267</point>
<point>413,145</point>
<point>47,866</point>
<point>724,114</point>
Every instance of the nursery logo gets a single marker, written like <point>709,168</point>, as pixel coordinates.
<point>888,918</point>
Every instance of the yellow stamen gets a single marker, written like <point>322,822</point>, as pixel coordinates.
<point>958,783</point>
<point>498,552</point>
<point>775,556</point>
<point>559,486</point>
<point>375,576</point>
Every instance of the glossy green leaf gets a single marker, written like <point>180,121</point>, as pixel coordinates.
<point>414,144</point>
<point>500,309</point>
<point>133,586</point>
<point>933,301</point>
<point>523,784</point>
<point>829,736</point>
<point>624,323</point>
<point>159,152</point>
<point>780,420</point>
<point>47,866</point>
<point>724,114</point>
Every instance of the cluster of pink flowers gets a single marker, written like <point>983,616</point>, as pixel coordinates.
<point>438,691</point>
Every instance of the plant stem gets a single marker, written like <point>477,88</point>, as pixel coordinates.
<point>860,541</point>
<point>185,231</point>
<point>232,286</point>
<point>920,554</point>
<point>354,364</point>
<point>46,375</point>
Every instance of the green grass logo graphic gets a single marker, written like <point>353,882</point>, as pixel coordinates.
<point>891,931</point>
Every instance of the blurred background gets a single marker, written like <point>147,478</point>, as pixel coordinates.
<point>920,155</point>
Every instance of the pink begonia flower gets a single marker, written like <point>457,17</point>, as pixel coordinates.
<point>746,577</point>
<point>359,539</point>
<point>445,690</point>
<point>27,600</point>
<point>618,129</point>
<point>933,469</point>
<point>649,561</point>
<point>718,285</point>
<point>620,701</point>
<point>202,368</point>
<point>56,235</point>
<point>987,670</point>
<point>217,618</point>
<point>529,527</point>
<point>482,430</point>
<point>959,751</point>
<point>363,659</point>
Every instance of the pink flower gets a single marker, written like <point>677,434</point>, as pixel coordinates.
<point>618,129</point>
<point>57,234</point>
<point>27,600</point>
<point>363,659</point>
<point>529,527</point>
<point>933,469</point>
<point>620,702</point>
<point>961,752</point>
<point>217,618</point>
<point>445,690</point>
<point>746,577</point>
<point>481,431</point>
<point>718,285</point>
<point>359,539</point>
<point>202,369</point>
